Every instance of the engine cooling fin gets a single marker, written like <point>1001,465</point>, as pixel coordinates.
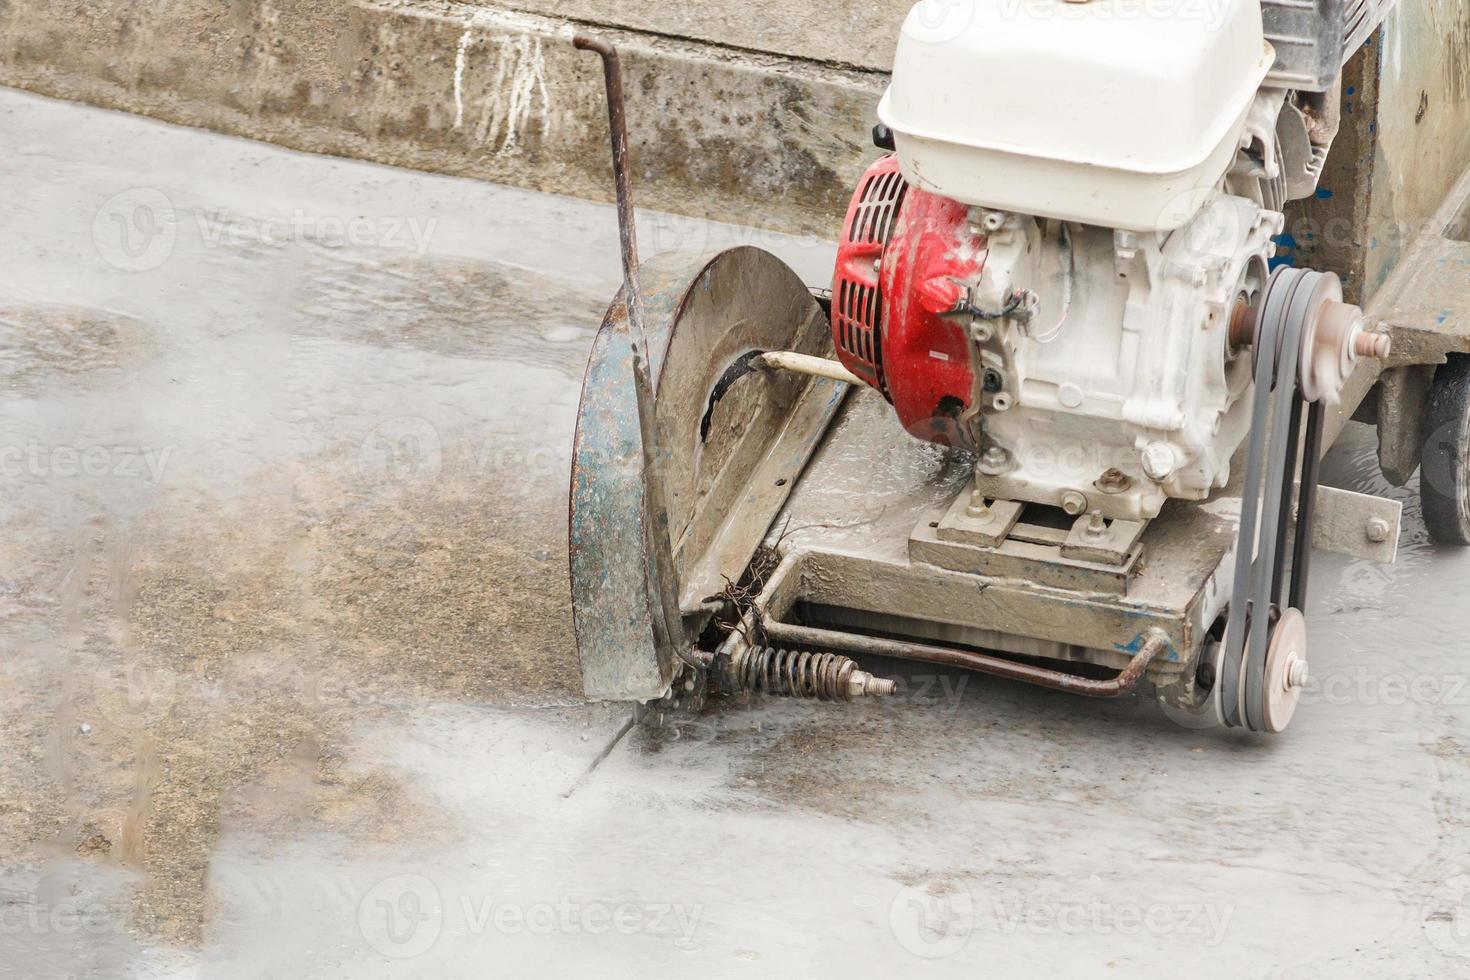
<point>857,291</point>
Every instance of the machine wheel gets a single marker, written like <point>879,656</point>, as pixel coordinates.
<point>1444,483</point>
<point>1199,705</point>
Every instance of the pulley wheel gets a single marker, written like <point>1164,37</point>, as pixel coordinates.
<point>1286,671</point>
<point>1330,329</point>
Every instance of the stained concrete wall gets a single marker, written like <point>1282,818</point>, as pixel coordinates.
<point>755,112</point>
<point>721,130</point>
<point>854,33</point>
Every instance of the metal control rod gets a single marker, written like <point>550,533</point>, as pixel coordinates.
<point>617,119</point>
<point>1155,646</point>
<point>817,367</point>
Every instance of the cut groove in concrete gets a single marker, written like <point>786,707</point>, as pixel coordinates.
<point>607,749</point>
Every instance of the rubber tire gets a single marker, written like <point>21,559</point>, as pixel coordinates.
<point>1444,482</point>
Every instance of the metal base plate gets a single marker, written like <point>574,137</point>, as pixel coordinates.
<point>993,538</point>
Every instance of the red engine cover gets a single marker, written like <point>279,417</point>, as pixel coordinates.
<point>857,302</point>
<point>902,257</point>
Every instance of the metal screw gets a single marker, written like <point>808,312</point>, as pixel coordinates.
<point>1378,530</point>
<point>863,684</point>
<point>1074,503</point>
<point>979,508</point>
<point>1097,527</point>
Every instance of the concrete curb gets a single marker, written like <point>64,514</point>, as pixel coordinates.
<point>467,90</point>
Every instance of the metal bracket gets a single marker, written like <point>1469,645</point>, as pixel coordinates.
<point>1357,525</point>
<point>975,520</point>
<point>1096,539</point>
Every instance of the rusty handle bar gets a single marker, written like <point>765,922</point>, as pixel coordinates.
<point>617,119</point>
<point>1154,647</point>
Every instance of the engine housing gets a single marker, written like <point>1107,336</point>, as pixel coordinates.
<point>1089,368</point>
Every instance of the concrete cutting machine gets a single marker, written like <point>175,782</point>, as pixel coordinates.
<point>1058,418</point>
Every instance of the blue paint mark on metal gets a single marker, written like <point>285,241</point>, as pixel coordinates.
<point>1444,317</point>
<point>1323,194</point>
<point>1352,90</point>
<point>1134,647</point>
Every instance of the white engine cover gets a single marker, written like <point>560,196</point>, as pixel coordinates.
<point>1118,113</point>
<point>1121,391</point>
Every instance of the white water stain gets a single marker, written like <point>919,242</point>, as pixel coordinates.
<point>517,94</point>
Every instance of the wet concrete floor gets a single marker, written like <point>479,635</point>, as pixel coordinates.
<point>287,686</point>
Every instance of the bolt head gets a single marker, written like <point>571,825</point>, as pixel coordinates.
<point>1160,461</point>
<point>1378,530</point>
<point>994,461</point>
<point>1074,503</point>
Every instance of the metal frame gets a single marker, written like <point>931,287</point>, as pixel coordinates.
<point>1314,38</point>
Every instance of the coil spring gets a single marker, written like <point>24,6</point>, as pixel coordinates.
<point>795,674</point>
